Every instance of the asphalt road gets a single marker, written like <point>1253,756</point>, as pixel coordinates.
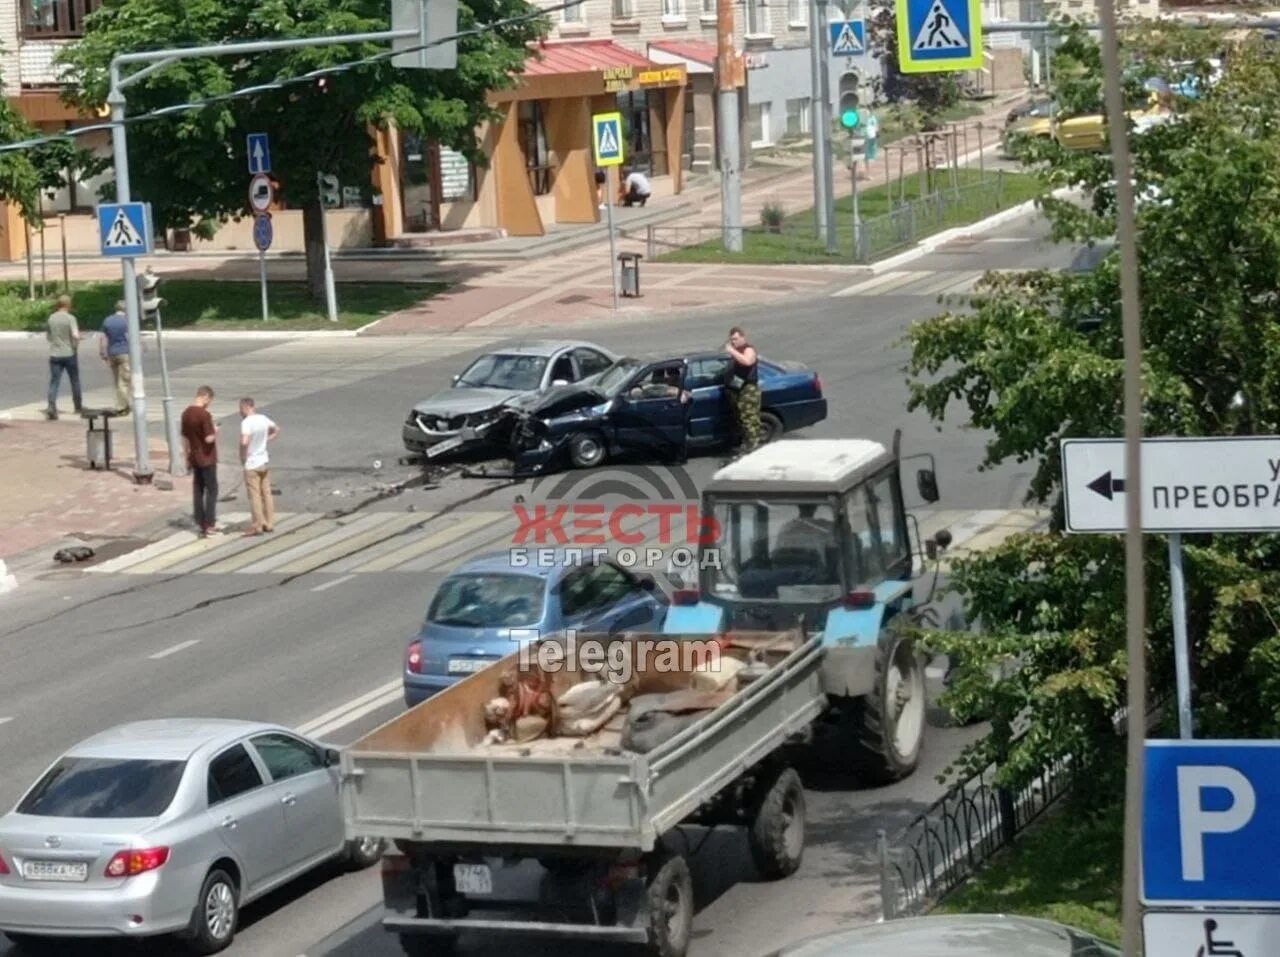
<point>85,650</point>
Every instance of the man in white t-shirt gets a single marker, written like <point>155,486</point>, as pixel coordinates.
<point>635,188</point>
<point>256,430</point>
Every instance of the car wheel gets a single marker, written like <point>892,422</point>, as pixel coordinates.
<point>217,912</point>
<point>365,852</point>
<point>771,427</point>
<point>587,450</point>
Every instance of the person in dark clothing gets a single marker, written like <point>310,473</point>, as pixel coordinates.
<point>200,436</point>
<point>744,387</point>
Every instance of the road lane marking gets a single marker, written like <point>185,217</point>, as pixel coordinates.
<point>237,544</point>
<point>460,525</point>
<point>392,524</point>
<point>354,704</point>
<point>376,704</point>
<point>5,720</point>
<point>879,284</point>
<point>334,583</point>
<point>174,649</point>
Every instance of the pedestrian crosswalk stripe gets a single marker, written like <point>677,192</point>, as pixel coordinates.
<point>461,525</point>
<point>939,31</point>
<point>238,544</point>
<point>329,532</point>
<point>348,545</point>
<point>493,537</point>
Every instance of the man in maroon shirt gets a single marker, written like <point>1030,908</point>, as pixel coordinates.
<point>200,436</point>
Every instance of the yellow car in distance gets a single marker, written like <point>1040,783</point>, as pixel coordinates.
<point>1085,133</point>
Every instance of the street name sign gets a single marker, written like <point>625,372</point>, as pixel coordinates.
<point>1210,825</point>
<point>124,229</point>
<point>263,233</point>
<point>258,150</point>
<point>1208,484</point>
<point>848,38</point>
<point>939,36</point>
<point>607,138</point>
<point>1239,934</point>
<point>261,193</point>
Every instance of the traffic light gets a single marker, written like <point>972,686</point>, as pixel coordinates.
<point>148,284</point>
<point>327,185</point>
<point>849,116</point>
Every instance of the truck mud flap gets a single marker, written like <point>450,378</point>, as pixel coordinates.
<point>520,928</point>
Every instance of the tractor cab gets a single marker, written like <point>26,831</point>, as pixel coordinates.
<point>812,531</point>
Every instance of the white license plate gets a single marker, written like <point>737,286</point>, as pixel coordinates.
<point>55,871</point>
<point>448,445</point>
<point>467,666</point>
<point>473,878</point>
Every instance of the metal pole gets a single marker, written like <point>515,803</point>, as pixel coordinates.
<point>982,169</point>
<point>821,129</point>
<point>730,143</point>
<point>857,221</point>
<point>31,266</point>
<point>1135,595</point>
<point>1181,652</point>
<point>66,274</point>
<point>120,158</point>
<point>44,266</point>
<point>828,154</point>
<point>613,250</point>
<point>262,279</point>
<point>330,295</point>
<point>176,465</point>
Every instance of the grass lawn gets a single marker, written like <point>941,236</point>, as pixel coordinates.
<point>219,304</point>
<point>797,242</point>
<point>1068,869</point>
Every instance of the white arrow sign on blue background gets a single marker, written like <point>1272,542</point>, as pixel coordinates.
<point>259,152</point>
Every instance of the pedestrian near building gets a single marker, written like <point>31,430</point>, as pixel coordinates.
<point>744,387</point>
<point>635,188</point>
<point>200,438</point>
<point>256,430</point>
<point>63,333</point>
<point>113,346</point>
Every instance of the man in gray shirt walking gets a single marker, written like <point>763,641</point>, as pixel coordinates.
<point>63,334</point>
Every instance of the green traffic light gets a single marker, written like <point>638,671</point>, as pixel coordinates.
<point>849,119</point>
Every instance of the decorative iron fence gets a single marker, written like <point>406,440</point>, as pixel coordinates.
<point>948,842</point>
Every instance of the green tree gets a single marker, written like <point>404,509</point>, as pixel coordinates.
<point>191,166</point>
<point>932,93</point>
<point>1039,359</point>
<point>28,174</point>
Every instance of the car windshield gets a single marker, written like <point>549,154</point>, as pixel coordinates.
<point>780,551</point>
<point>104,788</point>
<point>498,371</point>
<point>488,601</point>
<point>615,377</point>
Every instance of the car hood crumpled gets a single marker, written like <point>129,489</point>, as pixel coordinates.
<point>464,401</point>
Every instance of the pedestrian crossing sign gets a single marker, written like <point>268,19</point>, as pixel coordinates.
<point>938,36</point>
<point>124,229</point>
<point>848,38</point>
<point>607,138</point>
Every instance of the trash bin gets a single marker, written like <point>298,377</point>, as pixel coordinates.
<point>98,440</point>
<point>630,273</point>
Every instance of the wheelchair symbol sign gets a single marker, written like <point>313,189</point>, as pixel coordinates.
<point>1233,934</point>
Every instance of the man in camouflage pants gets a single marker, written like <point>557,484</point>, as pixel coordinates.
<point>744,388</point>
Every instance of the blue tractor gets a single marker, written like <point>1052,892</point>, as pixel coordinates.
<point>814,533</point>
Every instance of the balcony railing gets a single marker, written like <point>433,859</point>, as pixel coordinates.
<point>54,19</point>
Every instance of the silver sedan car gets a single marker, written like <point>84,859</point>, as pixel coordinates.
<point>169,827</point>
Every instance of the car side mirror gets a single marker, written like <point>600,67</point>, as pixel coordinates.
<point>332,757</point>
<point>556,382</point>
<point>927,485</point>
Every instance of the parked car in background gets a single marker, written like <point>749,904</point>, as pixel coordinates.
<point>497,602</point>
<point>626,411</point>
<point>960,935</point>
<point>479,392</point>
<point>169,827</point>
<point>1034,108</point>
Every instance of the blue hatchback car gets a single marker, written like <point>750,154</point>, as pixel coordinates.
<point>472,616</point>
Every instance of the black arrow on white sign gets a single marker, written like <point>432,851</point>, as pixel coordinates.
<point>1106,486</point>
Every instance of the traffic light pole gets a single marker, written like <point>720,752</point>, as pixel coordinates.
<point>330,295</point>
<point>828,157</point>
<point>176,465</point>
<point>821,127</point>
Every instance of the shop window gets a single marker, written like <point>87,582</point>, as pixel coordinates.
<point>52,19</point>
<point>640,154</point>
<point>798,116</point>
<point>457,177</point>
<point>757,17</point>
<point>797,13</point>
<point>758,124</point>
<point>624,9</point>
<point>533,143</point>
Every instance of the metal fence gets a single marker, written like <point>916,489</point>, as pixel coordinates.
<point>944,845</point>
<point>906,222</point>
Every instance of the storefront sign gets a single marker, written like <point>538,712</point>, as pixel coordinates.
<point>670,75</point>
<point>616,78</point>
